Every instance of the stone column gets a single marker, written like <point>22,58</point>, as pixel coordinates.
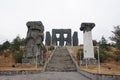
<point>68,39</point>
<point>54,37</point>
<point>48,39</point>
<point>88,43</point>
<point>61,39</point>
<point>75,39</point>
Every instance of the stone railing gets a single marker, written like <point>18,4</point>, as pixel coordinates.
<point>73,59</point>
<point>19,72</point>
<point>95,76</point>
<point>46,62</point>
<point>88,74</point>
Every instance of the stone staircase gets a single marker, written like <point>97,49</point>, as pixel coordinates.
<point>61,61</point>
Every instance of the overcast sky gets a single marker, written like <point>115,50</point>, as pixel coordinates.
<point>58,14</point>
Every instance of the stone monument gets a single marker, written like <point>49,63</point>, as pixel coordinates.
<point>48,39</point>
<point>75,39</point>
<point>88,43</point>
<point>63,41</point>
<point>61,37</point>
<point>33,50</point>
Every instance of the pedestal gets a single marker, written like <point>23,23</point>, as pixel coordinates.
<point>88,61</point>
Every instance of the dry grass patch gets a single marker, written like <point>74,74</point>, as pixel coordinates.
<point>115,68</point>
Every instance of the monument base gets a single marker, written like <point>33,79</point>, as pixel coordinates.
<point>88,61</point>
<point>27,60</point>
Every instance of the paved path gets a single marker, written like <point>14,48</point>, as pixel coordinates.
<point>47,76</point>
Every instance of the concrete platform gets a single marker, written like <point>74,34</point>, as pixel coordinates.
<point>47,76</point>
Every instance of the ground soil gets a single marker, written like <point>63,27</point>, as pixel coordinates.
<point>7,63</point>
<point>115,66</point>
<point>105,68</point>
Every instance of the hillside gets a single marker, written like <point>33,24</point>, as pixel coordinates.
<point>108,62</point>
<point>7,62</point>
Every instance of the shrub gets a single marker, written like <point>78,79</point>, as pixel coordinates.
<point>117,52</point>
<point>51,48</point>
<point>117,58</point>
<point>18,56</point>
<point>5,46</point>
<point>103,55</point>
<point>6,54</point>
<point>44,49</point>
<point>80,54</point>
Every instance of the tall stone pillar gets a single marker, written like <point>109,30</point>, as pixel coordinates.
<point>88,44</point>
<point>54,40</point>
<point>61,39</point>
<point>69,39</point>
<point>48,39</point>
<point>75,39</point>
<point>34,42</point>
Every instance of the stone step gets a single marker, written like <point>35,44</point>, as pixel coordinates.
<point>49,69</point>
<point>65,62</point>
<point>61,65</point>
<point>61,61</point>
<point>61,68</point>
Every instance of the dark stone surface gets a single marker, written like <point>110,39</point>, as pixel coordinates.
<point>48,39</point>
<point>85,26</point>
<point>96,76</point>
<point>61,61</point>
<point>75,39</point>
<point>34,41</point>
<point>61,37</point>
<point>18,72</point>
<point>47,76</point>
<point>88,61</point>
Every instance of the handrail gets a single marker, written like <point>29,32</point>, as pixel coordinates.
<point>73,60</point>
<point>46,63</point>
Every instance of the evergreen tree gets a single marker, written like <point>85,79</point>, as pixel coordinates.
<point>5,45</point>
<point>116,36</point>
<point>16,44</point>
<point>94,42</point>
<point>103,43</point>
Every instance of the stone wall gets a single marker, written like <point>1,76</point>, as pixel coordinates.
<point>19,72</point>
<point>95,76</point>
<point>61,38</point>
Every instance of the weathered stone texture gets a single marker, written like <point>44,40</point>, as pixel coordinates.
<point>48,39</point>
<point>88,43</point>
<point>61,61</point>
<point>75,39</point>
<point>61,38</point>
<point>34,41</point>
<point>87,26</point>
